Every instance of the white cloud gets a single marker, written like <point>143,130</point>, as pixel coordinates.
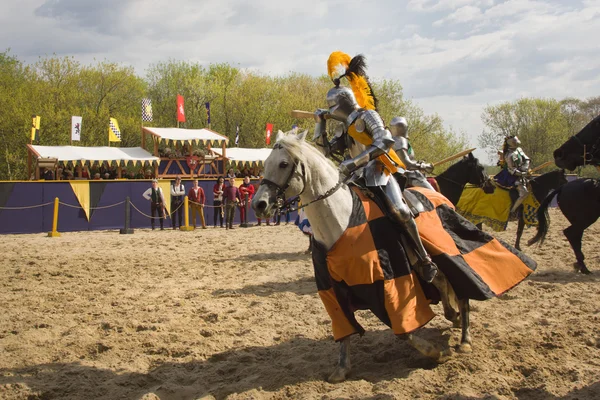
<point>461,15</point>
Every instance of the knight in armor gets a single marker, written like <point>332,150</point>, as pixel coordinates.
<point>517,164</point>
<point>372,157</point>
<point>515,169</point>
<point>413,174</point>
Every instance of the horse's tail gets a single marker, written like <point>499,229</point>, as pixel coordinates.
<point>542,216</point>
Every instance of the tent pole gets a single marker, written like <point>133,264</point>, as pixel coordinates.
<point>28,164</point>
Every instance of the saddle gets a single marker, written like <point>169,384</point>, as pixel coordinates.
<point>377,195</point>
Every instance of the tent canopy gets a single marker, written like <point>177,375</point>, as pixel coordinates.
<point>195,136</point>
<point>245,157</point>
<point>77,154</point>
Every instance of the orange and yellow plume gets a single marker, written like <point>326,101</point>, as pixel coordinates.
<point>339,64</point>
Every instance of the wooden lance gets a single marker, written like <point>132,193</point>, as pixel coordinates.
<point>544,165</point>
<point>454,157</point>
<point>305,114</point>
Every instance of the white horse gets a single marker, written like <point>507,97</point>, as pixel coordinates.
<point>293,168</point>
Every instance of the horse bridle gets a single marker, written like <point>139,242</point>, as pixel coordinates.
<point>280,200</point>
<point>591,153</point>
<point>482,184</point>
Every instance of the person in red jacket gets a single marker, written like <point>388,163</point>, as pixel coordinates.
<point>197,199</point>
<point>246,193</point>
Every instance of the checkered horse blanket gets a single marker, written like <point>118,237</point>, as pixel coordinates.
<point>494,209</point>
<point>368,268</point>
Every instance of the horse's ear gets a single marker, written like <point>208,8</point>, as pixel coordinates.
<point>470,155</point>
<point>302,135</point>
<point>280,136</point>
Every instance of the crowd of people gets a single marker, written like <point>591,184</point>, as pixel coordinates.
<point>227,200</point>
<point>102,172</point>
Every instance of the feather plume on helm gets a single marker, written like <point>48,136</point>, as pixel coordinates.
<point>340,65</point>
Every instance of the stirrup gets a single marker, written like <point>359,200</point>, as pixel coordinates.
<point>426,269</point>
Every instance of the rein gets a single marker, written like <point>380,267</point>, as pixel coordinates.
<point>280,200</point>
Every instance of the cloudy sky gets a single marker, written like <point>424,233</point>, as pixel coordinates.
<point>453,57</point>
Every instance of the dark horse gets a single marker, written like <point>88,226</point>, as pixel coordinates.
<point>581,149</point>
<point>468,170</point>
<point>578,200</point>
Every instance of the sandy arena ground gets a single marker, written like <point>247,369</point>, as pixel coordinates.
<point>235,314</point>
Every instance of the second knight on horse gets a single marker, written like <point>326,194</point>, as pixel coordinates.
<point>413,174</point>
<point>515,171</point>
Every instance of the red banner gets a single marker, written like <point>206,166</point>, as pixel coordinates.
<point>180,111</point>
<point>269,130</point>
<point>192,162</point>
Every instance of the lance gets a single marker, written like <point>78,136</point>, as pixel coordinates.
<point>455,156</point>
<point>544,165</point>
<point>305,114</point>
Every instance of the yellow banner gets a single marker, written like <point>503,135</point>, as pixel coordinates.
<point>82,192</point>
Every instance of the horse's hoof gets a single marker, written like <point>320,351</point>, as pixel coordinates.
<point>444,356</point>
<point>586,272</point>
<point>465,348</point>
<point>339,375</point>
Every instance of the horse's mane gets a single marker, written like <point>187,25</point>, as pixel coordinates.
<point>302,150</point>
<point>305,153</point>
<point>591,128</point>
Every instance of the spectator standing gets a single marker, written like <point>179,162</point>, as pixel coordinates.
<point>231,196</point>
<point>278,216</point>
<point>246,193</point>
<point>218,200</point>
<point>177,193</point>
<point>197,200</point>
<point>157,202</point>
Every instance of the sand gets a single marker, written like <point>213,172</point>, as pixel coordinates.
<point>235,314</point>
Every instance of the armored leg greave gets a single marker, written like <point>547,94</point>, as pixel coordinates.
<point>403,216</point>
<point>523,193</point>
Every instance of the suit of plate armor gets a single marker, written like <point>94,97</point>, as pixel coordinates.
<point>413,174</point>
<point>517,164</point>
<point>366,162</point>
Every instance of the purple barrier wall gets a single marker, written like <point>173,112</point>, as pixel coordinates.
<point>20,211</point>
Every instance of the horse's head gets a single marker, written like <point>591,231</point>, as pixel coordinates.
<point>476,174</point>
<point>283,176</point>
<point>582,148</point>
<point>470,170</point>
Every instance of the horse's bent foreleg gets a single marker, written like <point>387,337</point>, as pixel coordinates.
<point>449,301</point>
<point>520,228</point>
<point>429,349</point>
<point>342,369</point>
<point>465,340</point>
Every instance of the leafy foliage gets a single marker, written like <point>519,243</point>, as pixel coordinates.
<point>542,125</point>
<point>57,88</point>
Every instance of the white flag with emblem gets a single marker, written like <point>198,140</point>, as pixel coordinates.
<point>76,128</point>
